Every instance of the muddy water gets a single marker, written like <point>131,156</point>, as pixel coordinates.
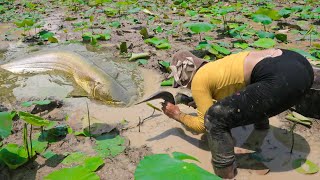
<point>123,75</point>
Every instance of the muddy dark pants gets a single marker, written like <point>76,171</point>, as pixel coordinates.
<point>276,85</point>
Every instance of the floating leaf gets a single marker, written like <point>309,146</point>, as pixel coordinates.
<point>199,27</point>
<point>13,155</point>
<point>165,45</point>
<point>192,13</point>
<point>32,119</point>
<point>225,44</point>
<point>273,14</point>
<point>110,11</point>
<point>46,34</point>
<point>83,132</point>
<point>78,173</point>
<point>263,34</point>
<point>285,12</point>
<point>5,124</point>
<point>168,82</point>
<point>176,22</point>
<point>115,24</point>
<point>261,18</point>
<point>49,154</point>
<point>208,38</point>
<point>30,103</point>
<point>241,45</point>
<point>74,158</point>
<point>109,145</point>
<point>212,50</point>
<point>29,22</point>
<point>203,45</point>
<point>104,36</point>
<point>93,163</point>
<point>162,166</point>
<point>312,167</point>
<point>282,37</point>
<point>165,65</point>
<point>264,43</point>
<point>159,43</point>
<point>39,146</point>
<point>183,156</point>
<point>221,49</point>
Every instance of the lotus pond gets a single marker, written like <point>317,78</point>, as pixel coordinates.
<point>62,137</point>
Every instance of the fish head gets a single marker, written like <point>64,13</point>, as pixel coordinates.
<point>102,92</point>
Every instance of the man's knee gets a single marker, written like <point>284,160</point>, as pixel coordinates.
<point>216,118</point>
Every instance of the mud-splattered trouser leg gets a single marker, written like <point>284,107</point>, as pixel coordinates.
<point>276,85</point>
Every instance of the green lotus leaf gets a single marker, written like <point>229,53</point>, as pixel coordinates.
<point>13,155</point>
<point>5,124</point>
<point>168,82</point>
<point>30,103</point>
<point>78,173</point>
<point>199,27</point>
<point>162,166</point>
<point>282,37</point>
<point>93,163</point>
<point>109,145</point>
<point>264,34</point>
<point>264,43</point>
<point>261,18</point>
<point>32,119</point>
<point>273,14</point>
<point>312,167</point>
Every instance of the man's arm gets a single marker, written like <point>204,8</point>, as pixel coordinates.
<point>203,100</point>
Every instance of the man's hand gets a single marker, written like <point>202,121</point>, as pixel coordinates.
<point>171,110</point>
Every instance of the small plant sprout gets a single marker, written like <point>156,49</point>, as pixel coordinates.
<point>33,121</point>
<point>263,19</point>
<point>199,28</point>
<point>297,118</point>
<point>223,11</point>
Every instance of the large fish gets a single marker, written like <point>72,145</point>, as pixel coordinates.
<point>95,81</point>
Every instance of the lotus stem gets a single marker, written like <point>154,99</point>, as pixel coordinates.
<point>310,39</point>
<point>89,126</point>
<point>30,139</point>
<point>224,23</point>
<point>25,139</point>
<point>139,123</point>
<point>292,136</point>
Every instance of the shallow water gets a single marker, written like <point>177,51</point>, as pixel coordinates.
<point>59,84</point>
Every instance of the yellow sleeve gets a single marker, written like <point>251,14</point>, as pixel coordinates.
<point>201,94</point>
